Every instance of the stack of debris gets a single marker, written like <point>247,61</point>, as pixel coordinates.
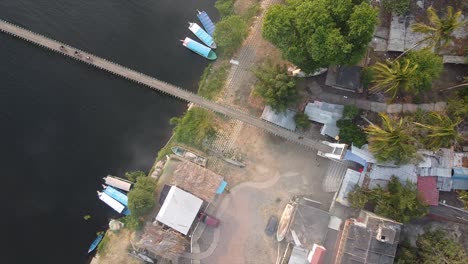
<point>168,243</point>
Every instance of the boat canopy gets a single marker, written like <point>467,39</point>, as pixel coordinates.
<point>201,34</point>
<point>197,47</point>
<point>116,195</point>
<point>111,202</point>
<point>118,183</point>
<point>206,22</point>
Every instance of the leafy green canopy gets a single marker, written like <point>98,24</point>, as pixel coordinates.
<point>433,247</point>
<point>229,34</point>
<point>400,202</point>
<point>400,7</point>
<point>302,120</point>
<point>392,141</point>
<point>275,86</point>
<point>317,33</point>
<point>350,133</point>
<point>141,197</point>
<point>437,130</point>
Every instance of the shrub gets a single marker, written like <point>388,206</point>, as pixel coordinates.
<point>225,7</point>
<point>350,112</point>
<point>302,120</point>
<point>134,175</point>
<point>212,82</point>
<point>400,7</point>
<point>194,127</point>
<point>229,34</point>
<point>350,133</point>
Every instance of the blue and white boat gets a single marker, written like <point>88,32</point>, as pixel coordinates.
<point>111,202</point>
<point>95,243</point>
<point>206,22</point>
<point>199,48</point>
<point>114,193</point>
<point>202,35</point>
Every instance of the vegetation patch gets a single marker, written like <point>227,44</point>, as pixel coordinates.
<point>302,120</point>
<point>141,197</point>
<point>225,7</point>
<point>132,222</point>
<point>229,34</point>
<point>350,133</point>
<point>194,127</point>
<point>212,81</point>
<point>400,202</point>
<point>102,247</point>
<point>400,7</point>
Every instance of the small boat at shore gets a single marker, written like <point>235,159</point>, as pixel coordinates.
<point>95,243</point>
<point>114,204</point>
<point>115,194</point>
<point>202,35</point>
<point>199,48</point>
<point>206,22</point>
<point>190,156</point>
<point>285,220</point>
<point>119,183</point>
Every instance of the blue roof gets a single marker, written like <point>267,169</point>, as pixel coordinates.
<point>206,22</point>
<point>353,157</point>
<point>460,173</point>
<point>221,187</point>
<point>198,48</point>
<point>120,197</point>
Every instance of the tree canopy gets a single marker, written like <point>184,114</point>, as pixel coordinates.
<point>302,120</point>
<point>318,33</point>
<point>400,7</point>
<point>277,89</point>
<point>141,197</point>
<point>437,130</point>
<point>432,247</point>
<point>400,202</point>
<point>392,141</point>
<point>134,175</point>
<point>229,34</point>
<point>430,66</point>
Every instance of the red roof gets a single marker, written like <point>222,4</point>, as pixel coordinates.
<point>317,254</point>
<point>427,188</point>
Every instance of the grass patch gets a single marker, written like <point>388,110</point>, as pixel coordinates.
<point>225,7</point>
<point>102,247</point>
<point>252,12</point>
<point>194,127</point>
<point>212,81</point>
<point>131,222</point>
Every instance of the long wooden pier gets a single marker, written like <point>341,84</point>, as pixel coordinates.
<point>156,84</point>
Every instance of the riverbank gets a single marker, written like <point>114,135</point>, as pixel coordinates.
<point>196,129</point>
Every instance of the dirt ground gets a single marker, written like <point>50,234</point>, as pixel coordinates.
<point>116,250</point>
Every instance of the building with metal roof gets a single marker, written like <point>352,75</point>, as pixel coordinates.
<point>368,239</point>
<point>282,119</point>
<point>460,179</point>
<point>344,77</point>
<point>427,188</point>
<point>326,114</point>
<point>350,180</point>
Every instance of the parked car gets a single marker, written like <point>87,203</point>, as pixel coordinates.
<point>208,219</point>
<point>271,225</point>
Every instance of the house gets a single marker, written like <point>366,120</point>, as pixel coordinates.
<point>199,181</point>
<point>326,114</point>
<point>344,77</point>
<point>282,119</point>
<point>427,188</point>
<point>179,210</point>
<point>368,239</point>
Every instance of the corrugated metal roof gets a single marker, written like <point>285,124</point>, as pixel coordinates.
<point>427,188</point>
<point>458,159</point>
<point>298,256</point>
<point>460,173</point>
<point>444,184</point>
<point>459,184</point>
<point>285,119</point>
<point>353,157</point>
<point>382,174</point>
<point>435,171</point>
<point>363,153</point>
<point>326,114</point>
<point>350,180</point>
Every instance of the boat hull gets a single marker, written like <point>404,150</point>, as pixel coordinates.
<point>95,243</point>
<point>202,35</point>
<point>284,222</point>
<point>199,48</point>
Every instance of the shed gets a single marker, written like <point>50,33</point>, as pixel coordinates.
<point>282,119</point>
<point>197,180</point>
<point>165,243</point>
<point>326,114</point>
<point>460,179</point>
<point>351,179</point>
<point>179,210</point>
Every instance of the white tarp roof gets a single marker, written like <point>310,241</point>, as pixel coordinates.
<point>284,119</point>
<point>179,210</point>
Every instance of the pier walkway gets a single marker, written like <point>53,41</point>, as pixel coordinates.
<point>157,85</point>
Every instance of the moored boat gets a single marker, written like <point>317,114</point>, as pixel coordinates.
<point>206,22</point>
<point>199,48</point>
<point>190,156</point>
<point>95,242</point>
<point>119,183</point>
<point>116,195</point>
<point>202,35</point>
<point>111,202</point>
<point>284,222</point>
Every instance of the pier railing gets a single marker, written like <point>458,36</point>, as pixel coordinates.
<point>156,84</point>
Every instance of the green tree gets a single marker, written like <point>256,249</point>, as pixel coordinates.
<point>302,120</point>
<point>435,247</point>
<point>439,30</point>
<point>430,66</point>
<point>277,89</point>
<point>393,141</point>
<point>393,77</point>
<point>146,184</point>
<point>315,33</point>
<point>463,196</point>
<point>350,112</point>
<point>400,7</point>
<point>229,34</point>
<point>225,7</point>
<point>350,133</point>
<point>458,106</point>
<point>134,175</point>
<point>400,202</point>
<point>439,131</point>
<point>140,202</point>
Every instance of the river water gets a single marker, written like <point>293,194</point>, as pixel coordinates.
<point>65,125</point>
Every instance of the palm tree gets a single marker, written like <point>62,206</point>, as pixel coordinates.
<point>392,141</point>
<point>439,30</point>
<point>440,131</point>
<point>393,77</point>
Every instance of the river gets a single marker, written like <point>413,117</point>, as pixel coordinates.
<point>65,125</point>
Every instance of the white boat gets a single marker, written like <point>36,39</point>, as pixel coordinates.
<point>111,202</point>
<point>285,220</point>
<point>202,35</point>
